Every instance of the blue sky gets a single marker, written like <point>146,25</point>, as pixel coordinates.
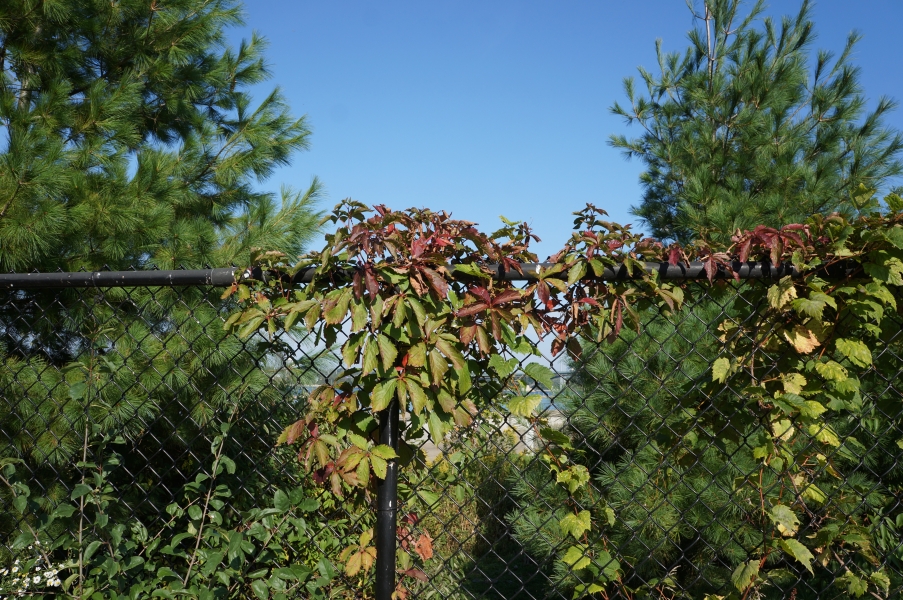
<point>489,108</point>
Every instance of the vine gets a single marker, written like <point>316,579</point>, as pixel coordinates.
<point>426,316</point>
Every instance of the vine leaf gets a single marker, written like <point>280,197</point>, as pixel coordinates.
<point>799,552</point>
<point>576,557</point>
<point>424,546</point>
<point>523,406</point>
<point>858,353</point>
<point>745,574</point>
<point>785,519</point>
<point>574,477</point>
<point>802,340</point>
<point>720,370</point>
<point>781,294</point>
<point>575,525</point>
<point>540,374</point>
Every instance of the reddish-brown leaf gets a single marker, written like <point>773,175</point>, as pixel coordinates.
<point>472,309</point>
<point>416,574</point>
<point>711,268</point>
<point>507,296</point>
<point>483,339</point>
<point>437,281</point>
<point>357,284</point>
<point>467,333</point>
<point>370,278</point>
<point>417,283</point>
<point>424,546</point>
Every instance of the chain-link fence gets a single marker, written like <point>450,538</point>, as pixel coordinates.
<point>135,401</point>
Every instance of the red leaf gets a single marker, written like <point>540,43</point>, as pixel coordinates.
<point>370,277</point>
<point>472,309</point>
<point>557,346</point>
<point>482,293</point>
<point>744,249</point>
<point>437,281</point>
<point>542,289</point>
<point>506,296</point>
<point>591,301</point>
<point>673,254</point>
<point>416,574</point>
<point>357,284</point>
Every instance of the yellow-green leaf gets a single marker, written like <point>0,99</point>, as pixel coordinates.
<point>576,558</point>
<point>575,525</point>
<point>785,519</point>
<point>523,406</point>
<point>745,574</point>
<point>858,353</point>
<point>382,394</point>
<point>799,552</point>
<point>387,351</point>
<point>720,369</point>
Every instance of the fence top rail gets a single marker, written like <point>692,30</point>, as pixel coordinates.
<point>226,276</point>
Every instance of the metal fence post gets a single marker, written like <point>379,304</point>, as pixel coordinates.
<point>387,506</point>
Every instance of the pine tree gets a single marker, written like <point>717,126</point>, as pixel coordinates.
<point>745,129</point>
<point>131,139</point>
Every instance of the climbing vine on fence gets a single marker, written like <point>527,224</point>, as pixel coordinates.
<point>426,316</point>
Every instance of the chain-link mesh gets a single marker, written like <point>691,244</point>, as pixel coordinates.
<point>149,376</point>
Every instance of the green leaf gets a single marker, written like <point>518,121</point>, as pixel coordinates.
<point>80,490</point>
<point>523,406</point>
<point>856,586</point>
<point>503,367</point>
<point>831,370</point>
<point>428,498</point>
<point>195,512</point>
<point>281,501</point>
<point>809,307</point>
<point>799,552</point>
<point>780,294</point>
<point>856,351</point>
<point>785,519</point>
<point>573,477</point>
<point>418,397</point>
<point>336,313</point>
<point>745,574</point>
<point>382,394</point>
<point>357,440</point>
<point>720,370</point>
<point>417,355</point>
<point>384,452</point>
<point>359,315</point>
<point>260,589</point>
<point>387,351</point>
<point>575,525</point>
<point>452,353</point>
<point>576,558</point>
<point>379,466</point>
<point>540,374</point>
<point>371,354</point>
<point>576,272</point>
<point>91,549</point>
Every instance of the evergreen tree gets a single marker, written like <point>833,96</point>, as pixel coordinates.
<point>745,129</point>
<point>130,139</point>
